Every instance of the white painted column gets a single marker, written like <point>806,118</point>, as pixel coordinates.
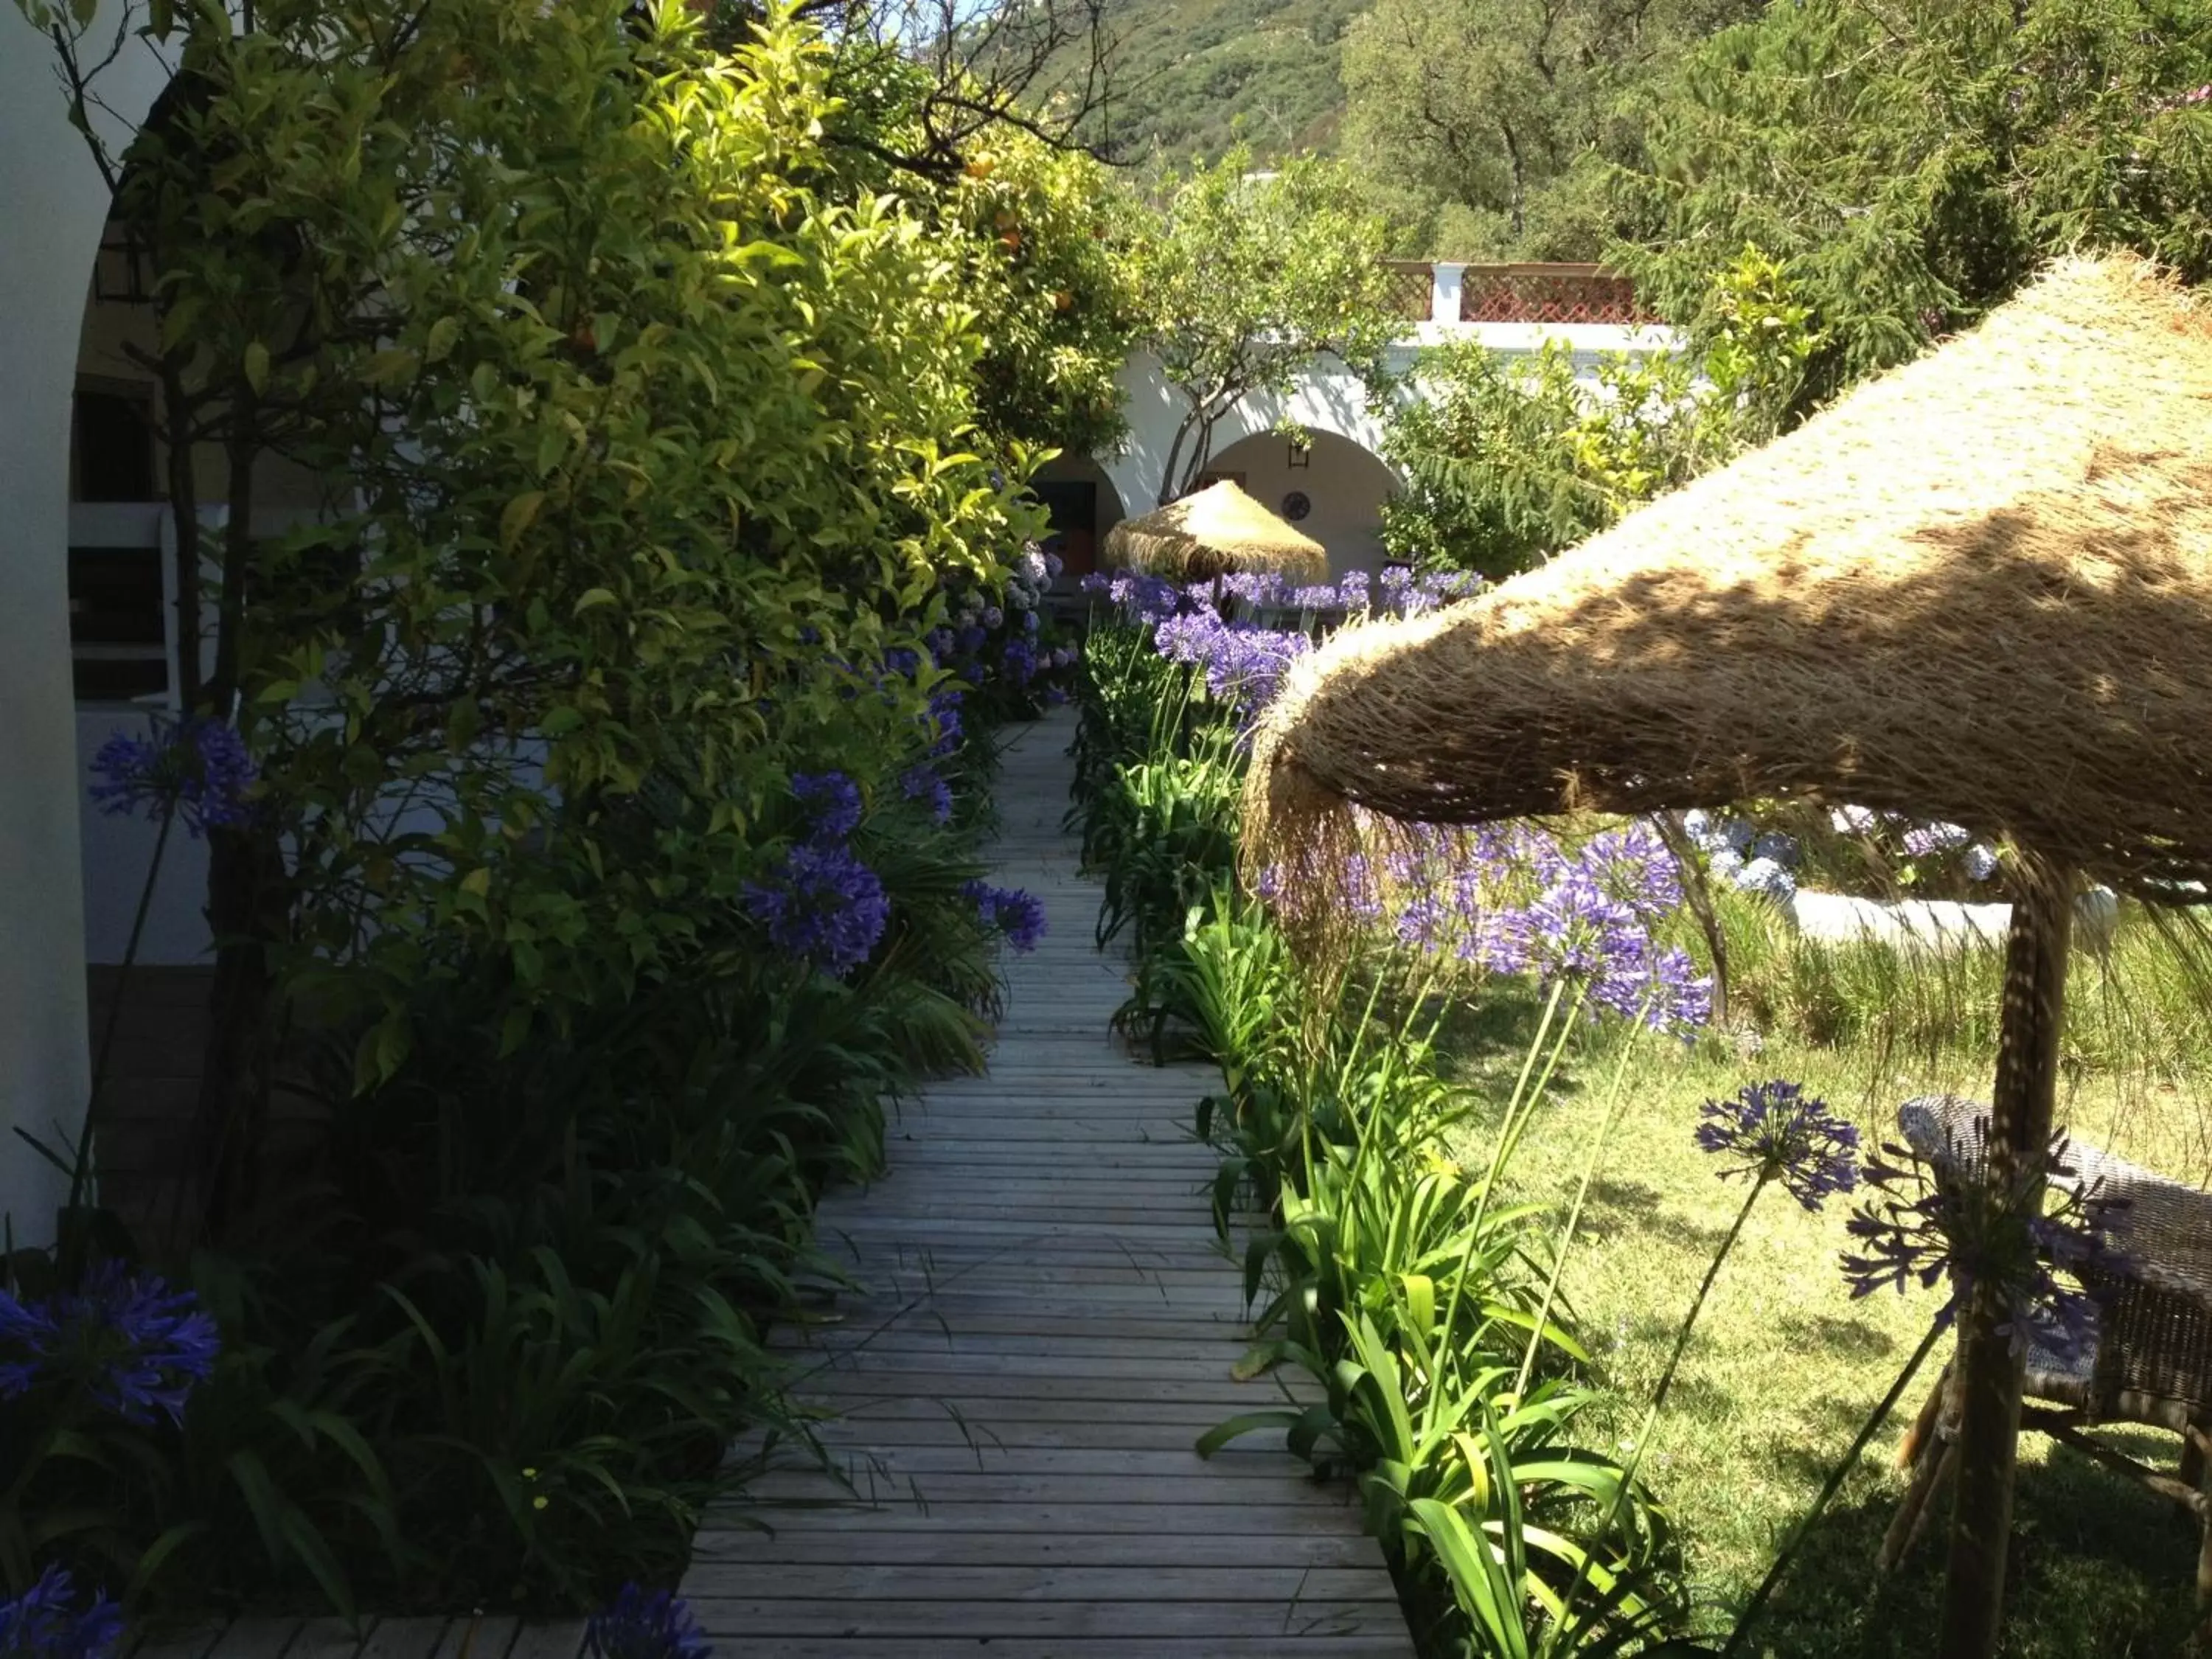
<point>53,206</point>
<point>1444,282</point>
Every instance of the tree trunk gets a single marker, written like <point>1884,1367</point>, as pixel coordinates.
<point>1700,899</point>
<point>1168,468</point>
<point>178,415</point>
<point>246,913</point>
<point>1990,1373</point>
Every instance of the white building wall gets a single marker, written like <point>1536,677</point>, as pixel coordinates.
<point>1345,487</point>
<point>1329,397</point>
<point>52,205</point>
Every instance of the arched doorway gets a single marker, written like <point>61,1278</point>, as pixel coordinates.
<point>1331,489</point>
<point>47,181</point>
<point>1083,505</point>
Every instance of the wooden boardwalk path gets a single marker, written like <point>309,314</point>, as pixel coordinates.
<point>1044,1324</point>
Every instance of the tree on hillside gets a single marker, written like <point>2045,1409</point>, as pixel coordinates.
<point>1249,278</point>
<point>1469,115</point>
<point>1912,163</point>
<point>967,69</point>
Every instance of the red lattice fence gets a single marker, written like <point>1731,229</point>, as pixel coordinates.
<point>1547,293</point>
<point>1412,283</point>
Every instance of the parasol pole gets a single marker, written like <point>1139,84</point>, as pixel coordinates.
<point>1989,1370</point>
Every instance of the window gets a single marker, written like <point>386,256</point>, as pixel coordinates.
<point>111,443</point>
<point>118,623</point>
<point>118,609</point>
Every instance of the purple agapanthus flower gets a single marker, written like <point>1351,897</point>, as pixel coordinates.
<point>134,1346</point>
<point>1774,1132</point>
<point>1945,1219</point>
<point>642,1624</point>
<point>1243,665</point>
<point>832,800</point>
<point>1017,914</point>
<point>1928,841</point>
<point>822,906</point>
<point>1662,988</point>
<point>1256,587</point>
<point>1437,588</point>
<point>43,1623</point>
<point>197,768</point>
<point>922,783</point>
<point>1096,583</point>
<point>1424,922</point>
<point>1633,865</point>
<point>1526,905</point>
<point>1145,599</point>
<point>944,722</point>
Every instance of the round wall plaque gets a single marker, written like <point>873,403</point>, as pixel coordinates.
<point>1296,506</point>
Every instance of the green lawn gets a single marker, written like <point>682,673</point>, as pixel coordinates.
<point>1786,1365</point>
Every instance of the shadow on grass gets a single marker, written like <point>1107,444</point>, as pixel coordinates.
<point>2099,1569</point>
<point>1615,1206</point>
<point>1846,1339</point>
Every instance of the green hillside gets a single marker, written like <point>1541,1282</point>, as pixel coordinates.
<point>1190,77</point>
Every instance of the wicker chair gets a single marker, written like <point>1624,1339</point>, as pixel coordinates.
<point>2152,1360</point>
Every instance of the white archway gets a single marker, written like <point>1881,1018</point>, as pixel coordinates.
<point>53,198</point>
<point>1332,489</point>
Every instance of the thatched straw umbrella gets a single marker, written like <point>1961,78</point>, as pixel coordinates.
<point>1979,589</point>
<point>1213,532</point>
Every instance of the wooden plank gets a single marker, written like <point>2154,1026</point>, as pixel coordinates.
<point>897,1434</point>
<point>984,1457</point>
<point>478,1637</point>
<point>257,1639</point>
<point>1167,1347</point>
<point>1040,1319</point>
<point>403,1638</point>
<point>1319,1646</point>
<point>981,1410</point>
<point>961,1582</point>
<point>1123,1616</point>
<point>548,1638</point>
<point>194,1641</point>
<point>725,1547</point>
<point>999,1485</point>
<point>329,1638</point>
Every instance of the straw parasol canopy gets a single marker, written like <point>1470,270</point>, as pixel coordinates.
<point>1978,589</point>
<point>1213,532</point>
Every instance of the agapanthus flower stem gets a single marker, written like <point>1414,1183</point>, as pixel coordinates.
<point>1659,1396</point>
<point>1508,1132</point>
<point>130,957</point>
<point>1834,1484</point>
<point>1616,1091</point>
<point>1522,1106</point>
